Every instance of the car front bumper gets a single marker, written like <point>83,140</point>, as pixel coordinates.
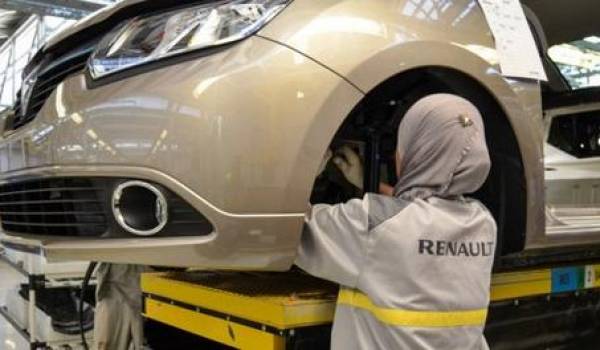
<point>238,135</point>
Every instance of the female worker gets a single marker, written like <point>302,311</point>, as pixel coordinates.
<point>414,267</point>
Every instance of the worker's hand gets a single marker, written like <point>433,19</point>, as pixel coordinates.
<point>324,161</point>
<point>386,189</point>
<point>350,165</point>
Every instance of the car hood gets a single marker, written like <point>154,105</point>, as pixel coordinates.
<point>90,20</point>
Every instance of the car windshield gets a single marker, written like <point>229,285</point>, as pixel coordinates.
<point>578,62</point>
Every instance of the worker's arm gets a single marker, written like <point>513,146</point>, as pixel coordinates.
<point>334,241</point>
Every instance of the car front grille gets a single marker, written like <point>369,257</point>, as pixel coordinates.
<point>41,91</point>
<point>51,72</point>
<point>81,207</point>
<point>66,207</point>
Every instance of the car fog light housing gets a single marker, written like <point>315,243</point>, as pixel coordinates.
<point>140,208</point>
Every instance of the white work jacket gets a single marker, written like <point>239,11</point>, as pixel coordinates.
<point>413,274</point>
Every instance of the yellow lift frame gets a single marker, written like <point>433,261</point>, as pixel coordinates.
<point>268,320</point>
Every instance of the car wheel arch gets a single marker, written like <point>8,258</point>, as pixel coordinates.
<point>524,217</point>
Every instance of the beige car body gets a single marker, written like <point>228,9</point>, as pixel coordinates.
<point>239,134</point>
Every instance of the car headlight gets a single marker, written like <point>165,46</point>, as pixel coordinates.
<point>146,39</point>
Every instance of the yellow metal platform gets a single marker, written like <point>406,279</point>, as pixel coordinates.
<point>241,310</point>
<point>268,311</point>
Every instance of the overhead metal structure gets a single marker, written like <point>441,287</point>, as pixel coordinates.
<point>9,22</point>
<point>13,13</point>
<point>73,9</point>
<point>24,26</point>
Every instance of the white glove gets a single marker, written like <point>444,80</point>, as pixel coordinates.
<point>324,162</point>
<point>351,166</point>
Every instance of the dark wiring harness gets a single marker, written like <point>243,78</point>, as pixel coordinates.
<point>84,287</point>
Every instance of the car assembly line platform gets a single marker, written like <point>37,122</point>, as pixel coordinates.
<point>243,310</point>
<point>291,310</point>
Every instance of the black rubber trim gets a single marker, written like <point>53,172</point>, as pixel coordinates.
<point>552,100</point>
<point>548,258</point>
<point>143,304</point>
<point>248,323</point>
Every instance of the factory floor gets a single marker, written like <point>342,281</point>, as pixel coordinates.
<point>11,340</point>
<point>9,278</point>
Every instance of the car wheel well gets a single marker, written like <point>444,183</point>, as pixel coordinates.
<point>379,113</point>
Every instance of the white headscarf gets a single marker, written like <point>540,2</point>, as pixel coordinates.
<point>442,143</point>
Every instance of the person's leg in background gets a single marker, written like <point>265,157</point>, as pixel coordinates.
<point>118,323</point>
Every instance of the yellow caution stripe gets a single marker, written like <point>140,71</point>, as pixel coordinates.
<point>409,318</point>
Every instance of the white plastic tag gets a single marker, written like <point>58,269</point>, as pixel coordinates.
<point>517,51</point>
